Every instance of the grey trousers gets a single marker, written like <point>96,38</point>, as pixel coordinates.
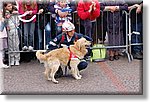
<point>13,44</point>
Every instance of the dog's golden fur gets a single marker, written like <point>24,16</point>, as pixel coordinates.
<point>58,57</point>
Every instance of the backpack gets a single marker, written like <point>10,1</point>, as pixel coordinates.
<point>98,54</point>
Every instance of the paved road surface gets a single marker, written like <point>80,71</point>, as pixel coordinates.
<point>109,77</point>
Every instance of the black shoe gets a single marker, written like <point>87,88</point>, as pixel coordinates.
<point>116,57</point>
<point>138,56</point>
<point>111,58</point>
<point>59,73</point>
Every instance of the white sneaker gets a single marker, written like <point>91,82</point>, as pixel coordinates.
<point>30,48</point>
<point>4,66</point>
<point>17,63</point>
<point>25,48</point>
<point>47,47</point>
<point>12,63</point>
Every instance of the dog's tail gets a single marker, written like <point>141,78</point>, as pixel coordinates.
<point>41,56</point>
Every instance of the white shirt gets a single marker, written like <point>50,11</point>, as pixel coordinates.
<point>68,39</point>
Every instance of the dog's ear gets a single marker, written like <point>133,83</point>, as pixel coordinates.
<point>78,45</point>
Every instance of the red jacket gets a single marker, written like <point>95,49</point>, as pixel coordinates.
<point>83,8</point>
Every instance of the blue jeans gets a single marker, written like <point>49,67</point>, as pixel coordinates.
<point>29,29</point>
<point>58,30</point>
<point>48,33</point>
<point>137,38</point>
<point>2,25</point>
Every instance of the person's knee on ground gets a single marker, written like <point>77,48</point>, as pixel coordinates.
<point>82,65</point>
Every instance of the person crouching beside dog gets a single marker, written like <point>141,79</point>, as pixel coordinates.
<point>67,38</point>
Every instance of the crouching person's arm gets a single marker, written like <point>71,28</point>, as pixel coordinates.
<point>88,38</point>
<point>54,44</point>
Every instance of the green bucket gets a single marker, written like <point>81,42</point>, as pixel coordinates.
<point>98,54</point>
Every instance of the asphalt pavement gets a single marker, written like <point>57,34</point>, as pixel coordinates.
<point>108,77</point>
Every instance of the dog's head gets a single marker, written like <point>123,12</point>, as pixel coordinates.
<point>82,43</point>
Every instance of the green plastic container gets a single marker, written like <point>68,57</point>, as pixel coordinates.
<point>98,54</point>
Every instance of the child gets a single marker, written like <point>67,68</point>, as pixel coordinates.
<point>12,23</point>
<point>3,40</point>
<point>30,8</point>
<point>62,16</point>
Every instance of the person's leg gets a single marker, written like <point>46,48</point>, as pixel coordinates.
<point>111,54</point>
<point>137,49</point>
<point>39,39</point>
<point>16,48</point>
<point>93,32</point>
<point>26,33</point>
<point>58,30</point>
<point>11,44</point>
<point>116,54</point>
<point>88,27</point>
<point>31,34</point>
<point>48,34</point>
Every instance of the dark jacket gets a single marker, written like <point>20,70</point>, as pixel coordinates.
<point>133,12</point>
<point>62,39</point>
<point>114,19</point>
<point>44,17</point>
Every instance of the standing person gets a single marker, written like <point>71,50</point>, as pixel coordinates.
<point>12,23</point>
<point>114,24</point>
<point>28,7</point>
<point>102,26</point>
<point>43,23</point>
<point>88,11</point>
<point>3,40</point>
<point>61,11</point>
<point>136,26</point>
<point>67,38</point>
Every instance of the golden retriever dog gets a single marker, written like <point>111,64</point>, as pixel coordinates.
<point>61,56</point>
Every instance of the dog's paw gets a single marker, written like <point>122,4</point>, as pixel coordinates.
<point>55,82</point>
<point>77,78</point>
<point>49,79</point>
<point>80,76</point>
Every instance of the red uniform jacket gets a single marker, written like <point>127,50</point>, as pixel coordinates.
<point>83,8</point>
